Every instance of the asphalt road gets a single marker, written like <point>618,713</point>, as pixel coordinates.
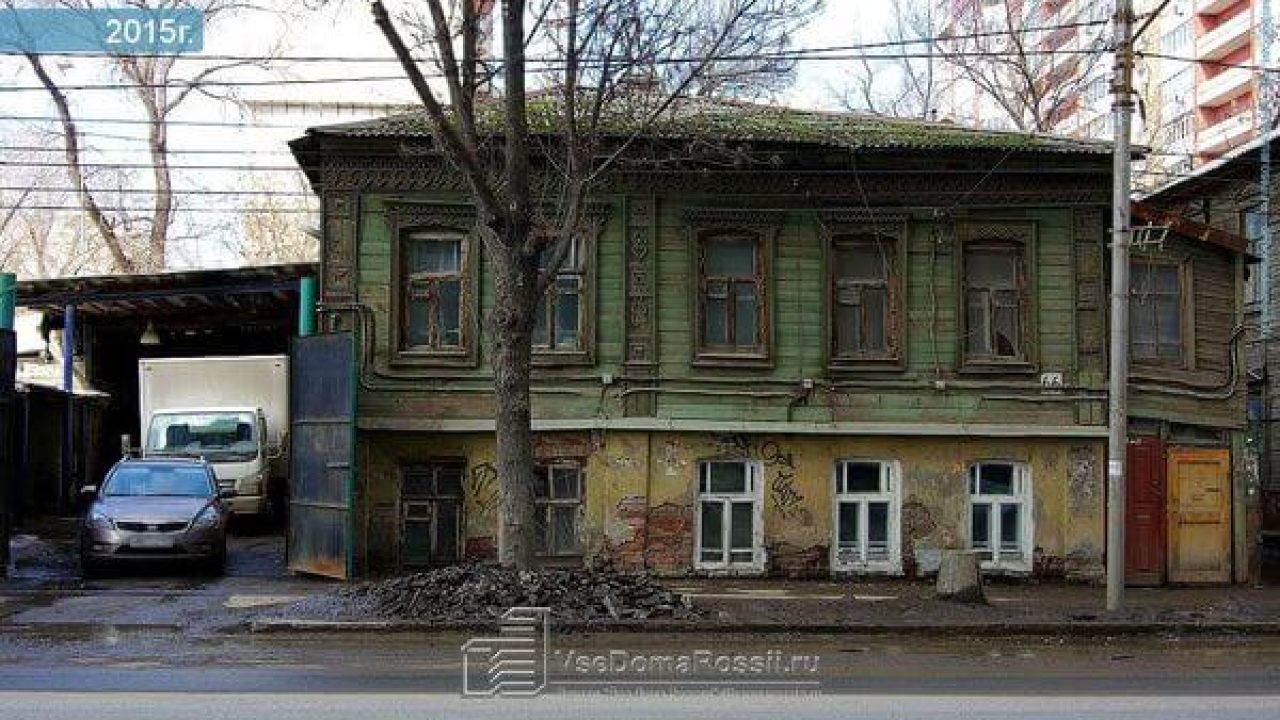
<point>39,706</point>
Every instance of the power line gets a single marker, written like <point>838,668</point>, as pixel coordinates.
<point>182,84</point>
<point>184,192</point>
<point>1216,63</point>
<point>782,54</point>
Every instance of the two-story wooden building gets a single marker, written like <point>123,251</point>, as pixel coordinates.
<point>786,342</point>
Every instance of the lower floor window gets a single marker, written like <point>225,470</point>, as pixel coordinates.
<point>728,515</point>
<point>557,495</point>
<point>866,519</point>
<point>1000,513</point>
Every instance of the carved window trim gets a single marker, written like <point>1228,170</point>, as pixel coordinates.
<point>588,238</point>
<point>887,229</point>
<point>405,221</point>
<point>709,225</point>
<point>1009,235</point>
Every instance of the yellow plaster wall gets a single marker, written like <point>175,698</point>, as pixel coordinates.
<point>640,489</point>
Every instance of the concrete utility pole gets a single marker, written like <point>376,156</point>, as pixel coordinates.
<point>1118,384</point>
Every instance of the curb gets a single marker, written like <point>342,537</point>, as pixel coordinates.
<point>1014,629</point>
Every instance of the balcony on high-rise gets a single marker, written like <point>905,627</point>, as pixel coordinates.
<point>1226,38</point>
<point>1225,134</point>
<point>1226,85</point>
<point>1213,7</point>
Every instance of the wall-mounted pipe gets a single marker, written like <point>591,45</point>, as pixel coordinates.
<point>306,306</point>
<point>8,299</point>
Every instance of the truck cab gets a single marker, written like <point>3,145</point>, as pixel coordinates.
<point>233,440</point>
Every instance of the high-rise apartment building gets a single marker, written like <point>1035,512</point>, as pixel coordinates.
<point>1197,76</point>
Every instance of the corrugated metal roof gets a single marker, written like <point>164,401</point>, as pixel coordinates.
<point>734,121</point>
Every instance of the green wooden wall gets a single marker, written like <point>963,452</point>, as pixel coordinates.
<point>929,387</point>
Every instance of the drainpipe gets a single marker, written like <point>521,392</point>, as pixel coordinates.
<point>306,306</point>
<point>8,299</point>
<point>68,387</point>
<point>8,430</point>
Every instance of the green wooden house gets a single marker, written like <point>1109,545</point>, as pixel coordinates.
<point>786,342</point>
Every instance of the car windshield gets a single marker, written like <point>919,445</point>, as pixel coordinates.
<point>156,480</point>
<point>216,437</point>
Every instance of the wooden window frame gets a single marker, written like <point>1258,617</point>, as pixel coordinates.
<point>588,239</point>
<point>890,493</point>
<point>544,507</point>
<point>754,494</point>
<point>1186,314</point>
<point>884,228</point>
<point>1021,495</point>
<point>447,221</point>
<point>707,226</point>
<point>408,502</point>
<point>1018,236</point>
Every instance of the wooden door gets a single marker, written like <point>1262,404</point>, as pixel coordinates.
<point>1144,516</point>
<point>1199,517</point>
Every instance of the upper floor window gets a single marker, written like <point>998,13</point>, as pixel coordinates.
<point>732,294</point>
<point>863,298</point>
<point>994,295</point>
<point>559,321</point>
<point>1178,40</point>
<point>433,292</point>
<point>1252,226</point>
<point>1156,313</point>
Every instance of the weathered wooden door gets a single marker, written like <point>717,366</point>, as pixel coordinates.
<point>322,454</point>
<point>1199,517</point>
<point>1144,517</point>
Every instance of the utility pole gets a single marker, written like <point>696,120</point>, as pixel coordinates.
<point>1118,384</point>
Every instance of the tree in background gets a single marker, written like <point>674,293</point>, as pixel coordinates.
<point>589,77</point>
<point>159,85</point>
<point>909,81</point>
<point>1000,55</point>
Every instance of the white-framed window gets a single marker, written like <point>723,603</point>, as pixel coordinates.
<point>866,517</point>
<point>1000,522</point>
<point>729,535</point>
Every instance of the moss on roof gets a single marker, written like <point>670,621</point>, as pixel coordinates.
<point>724,120</point>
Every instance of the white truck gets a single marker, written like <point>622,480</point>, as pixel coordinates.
<point>232,411</point>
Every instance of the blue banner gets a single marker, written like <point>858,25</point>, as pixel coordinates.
<point>124,31</point>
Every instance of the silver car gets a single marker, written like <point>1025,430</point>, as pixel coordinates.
<point>155,510</point>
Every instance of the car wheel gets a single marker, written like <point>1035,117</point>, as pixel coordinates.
<point>217,565</point>
<point>90,568</point>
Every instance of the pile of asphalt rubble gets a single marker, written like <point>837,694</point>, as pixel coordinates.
<point>481,593</point>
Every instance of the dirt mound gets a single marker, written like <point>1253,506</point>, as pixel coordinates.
<point>482,593</point>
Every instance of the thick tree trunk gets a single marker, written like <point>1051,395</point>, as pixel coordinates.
<point>512,325</point>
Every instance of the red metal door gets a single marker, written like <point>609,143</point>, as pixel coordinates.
<point>1144,529</point>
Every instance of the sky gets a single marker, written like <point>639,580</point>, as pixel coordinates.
<point>256,150</point>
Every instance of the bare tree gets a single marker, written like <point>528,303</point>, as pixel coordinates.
<point>908,81</point>
<point>604,73</point>
<point>37,240</point>
<point>270,230</point>
<point>160,85</point>
<point>1032,75</point>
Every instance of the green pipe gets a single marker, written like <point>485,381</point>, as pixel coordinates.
<point>8,299</point>
<point>307,307</point>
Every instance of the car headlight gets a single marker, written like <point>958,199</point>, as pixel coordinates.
<point>99,520</point>
<point>208,518</point>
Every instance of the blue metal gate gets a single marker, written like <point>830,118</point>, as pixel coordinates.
<point>321,461</point>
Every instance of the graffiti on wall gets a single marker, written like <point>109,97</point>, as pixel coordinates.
<point>482,488</point>
<point>779,466</point>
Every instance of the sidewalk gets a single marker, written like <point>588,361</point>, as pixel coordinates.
<point>896,607</point>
